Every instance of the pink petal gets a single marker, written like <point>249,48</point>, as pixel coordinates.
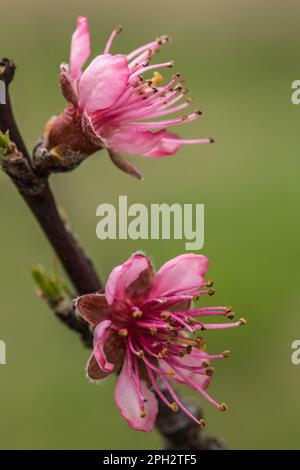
<point>103,82</point>
<point>101,334</point>
<point>128,402</point>
<point>93,370</point>
<point>80,47</point>
<point>130,140</point>
<point>165,148</point>
<point>183,274</point>
<point>93,308</point>
<point>121,278</point>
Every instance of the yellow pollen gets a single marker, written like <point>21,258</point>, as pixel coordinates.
<point>153,331</point>
<point>157,78</point>
<point>137,314</point>
<point>143,414</point>
<point>228,309</point>
<point>123,332</point>
<point>210,371</point>
<point>230,315</point>
<point>174,406</point>
<point>170,372</point>
<point>191,321</point>
<point>205,364</point>
<point>164,315</point>
<point>223,407</point>
<point>226,353</point>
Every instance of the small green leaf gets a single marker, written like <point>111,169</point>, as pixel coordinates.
<point>5,141</point>
<point>52,286</point>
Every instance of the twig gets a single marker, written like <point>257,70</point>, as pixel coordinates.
<point>36,192</point>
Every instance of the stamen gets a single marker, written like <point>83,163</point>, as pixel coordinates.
<point>210,371</point>
<point>223,407</point>
<point>205,364</point>
<point>230,315</point>
<point>178,401</point>
<point>147,68</point>
<point>123,332</point>
<point>165,315</point>
<point>226,354</point>
<point>137,313</point>
<point>111,39</point>
<point>174,406</point>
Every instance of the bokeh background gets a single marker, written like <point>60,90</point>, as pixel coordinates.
<point>239,58</point>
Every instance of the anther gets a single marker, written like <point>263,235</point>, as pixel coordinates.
<point>209,283</point>
<point>223,407</point>
<point>191,321</point>
<point>137,314</point>
<point>170,372</point>
<point>141,353</point>
<point>205,364</point>
<point>163,40</point>
<point>176,75</point>
<point>210,371</point>
<point>242,321</point>
<point>118,29</point>
<point>171,64</point>
<point>173,333</point>
<point>174,406</point>
<point>170,329</point>
<point>165,315</point>
<point>211,140</point>
<point>153,330</point>
<point>123,332</point>
<point>228,309</point>
<point>230,315</point>
<point>143,414</point>
<point>198,111</point>
<point>182,353</point>
<point>202,423</point>
<point>211,292</point>
<point>188,349</point>
<point>226,354</point>
<point>200,339</point>
<point>178,88</point>
<point>189,99</point>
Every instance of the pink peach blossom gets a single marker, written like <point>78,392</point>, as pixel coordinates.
<point>110,103</point>
<point>145,330</point>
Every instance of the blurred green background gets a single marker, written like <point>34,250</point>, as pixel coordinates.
<point>239,58</point>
